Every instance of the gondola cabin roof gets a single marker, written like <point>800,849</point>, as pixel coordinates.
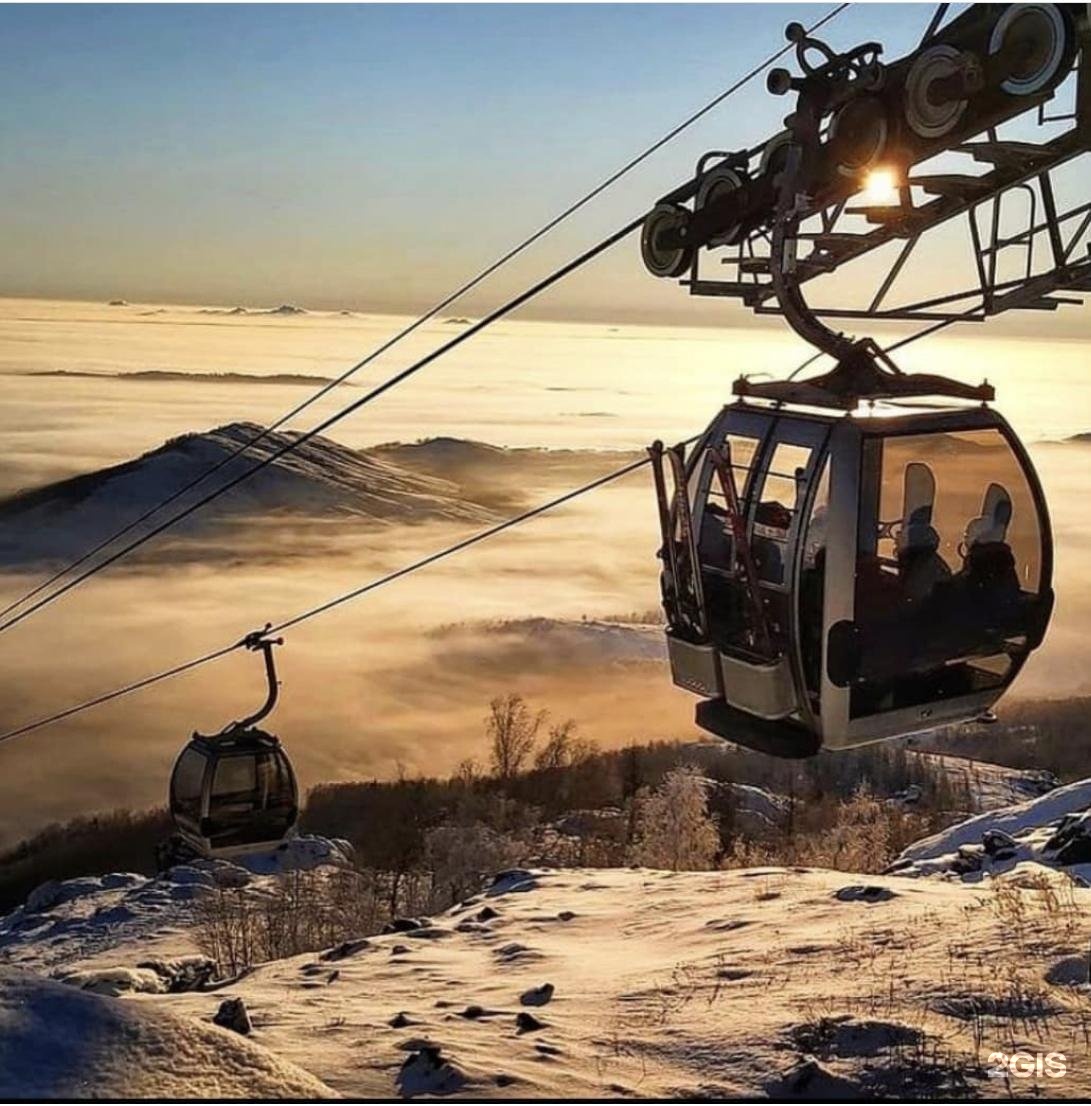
<point>235,740</point>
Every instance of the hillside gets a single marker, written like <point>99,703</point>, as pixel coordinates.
<point>445,479</point>
<point>789,982</point>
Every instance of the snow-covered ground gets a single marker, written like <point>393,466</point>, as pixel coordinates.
<point>583,983</point>
<point>57,1042</point>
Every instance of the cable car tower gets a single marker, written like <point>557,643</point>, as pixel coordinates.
<point>867,553</point>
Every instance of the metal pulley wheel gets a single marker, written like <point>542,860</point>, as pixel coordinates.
<point>774,154</point>
<point>665,258</point>
<point>1035,39</point>
<point>931,116</point>
<point>858,134</point>
<point>715,185</point>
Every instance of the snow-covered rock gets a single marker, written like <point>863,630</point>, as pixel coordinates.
<point>116,981</point>
<point>299,854</point>
<point>757,809</point>
<point>1052,830</point>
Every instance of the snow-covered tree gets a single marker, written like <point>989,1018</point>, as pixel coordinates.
<point>461,856</point>
<point>564,748</point>
<point>672,826</point>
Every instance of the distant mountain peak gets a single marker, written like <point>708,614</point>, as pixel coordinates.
<point>318,478</point>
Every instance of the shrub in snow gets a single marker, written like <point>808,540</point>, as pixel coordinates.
<point>462,856</point>
<point>300,911</point>
<point>672,826</point>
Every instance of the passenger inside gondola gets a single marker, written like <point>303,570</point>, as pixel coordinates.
<point>989,575</point>
<point>921,569</point>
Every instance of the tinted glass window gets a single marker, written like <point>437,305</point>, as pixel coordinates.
<point>722,575</point>
<point>948,567</point>
<point>812,587</point>
<point>187,782</point>
<point>776,510</point>
<point>236,776</point>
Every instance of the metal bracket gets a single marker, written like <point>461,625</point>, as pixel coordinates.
<point>256,641</point>
<point>789,221</point>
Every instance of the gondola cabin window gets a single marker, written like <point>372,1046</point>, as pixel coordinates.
<point>722,582</point>
<point>947,569</point>
<point>777,510</point>
<point>187,785</point>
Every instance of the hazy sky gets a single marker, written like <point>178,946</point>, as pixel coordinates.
<point>362,156</point>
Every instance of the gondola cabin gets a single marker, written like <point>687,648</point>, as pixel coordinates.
<point>232,794</point>
<point>836,577</point>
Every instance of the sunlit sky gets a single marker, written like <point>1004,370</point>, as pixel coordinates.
<point>365,156</point>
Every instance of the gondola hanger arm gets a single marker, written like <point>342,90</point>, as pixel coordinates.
<point>258,641</point>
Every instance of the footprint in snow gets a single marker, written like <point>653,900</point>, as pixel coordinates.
<point>733,974</point>
<point>726,925</point>
<point>513,952</point>
<point>526,1022</point>
<point>474,1013</point>
<point>1070,971</point>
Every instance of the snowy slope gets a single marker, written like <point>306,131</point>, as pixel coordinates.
<point>81,922</point>
<point>989,785</point>
<point>319,478</point>
<point>59,1042</point>
<point>760,982</point>
<point>583,983</point>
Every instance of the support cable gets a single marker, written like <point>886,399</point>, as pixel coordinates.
<point>458,293</point>
<point>379,582</point>
<point>325,424</point>
<point>313,612</point>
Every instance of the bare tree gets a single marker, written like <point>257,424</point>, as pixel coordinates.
<point>512,728</point>
<point>564,748</point>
